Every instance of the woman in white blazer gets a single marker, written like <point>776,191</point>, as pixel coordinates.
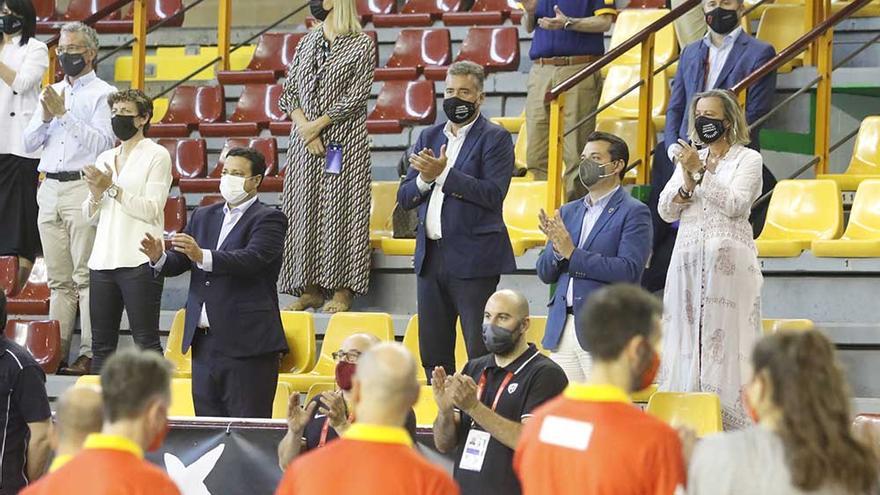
<point>23,61</point>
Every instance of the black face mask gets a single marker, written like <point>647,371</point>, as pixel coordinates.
<point>123,126</point>
<point>459,111</point>
<point>317,8</point>
<point>499,340</point>
<point>10,24</point>
<point>722,21</point>
<point>72,63</point>
<point>708,129</point>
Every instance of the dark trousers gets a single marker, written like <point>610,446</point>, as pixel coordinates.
<point>136,290</point>
<point>224,386</point>
<point>442,298</point>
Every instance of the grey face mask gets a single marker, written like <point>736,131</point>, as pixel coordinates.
<point>590,172</point>
<point>500,340</point>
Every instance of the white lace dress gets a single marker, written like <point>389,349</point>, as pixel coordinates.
<point>712,303</point>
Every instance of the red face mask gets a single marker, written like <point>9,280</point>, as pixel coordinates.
<point>646,378</point>
<point>159,438</point>
<point>344,374</point>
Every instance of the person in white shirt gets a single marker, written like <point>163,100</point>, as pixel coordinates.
<point>23,60</point>
<point>128,187</point>
<point>458,179</point>
<point>72,128</point>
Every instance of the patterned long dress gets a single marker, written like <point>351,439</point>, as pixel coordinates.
<point>712,303</point>
<point>328,242</point>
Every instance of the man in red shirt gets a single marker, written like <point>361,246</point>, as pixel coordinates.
<point>375,454</point>
<point>592,440</point>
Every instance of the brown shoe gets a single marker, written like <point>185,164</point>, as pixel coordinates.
<point>82,366</point>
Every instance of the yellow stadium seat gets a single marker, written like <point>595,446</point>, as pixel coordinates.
<point>176,63</point>
<point>382,201</point>
<point>628,130</point>
<point>782,25</point>
<point>341,325</point>
<point>800,212</point>
<point>629,22</point>
<point>283,392</point>
<point>299,330</point>
<point>182,362</point>
<point>398,247</point>
<point>160,107</point>
<point>862,236</point>
<point>865,162</point>
<point>411,342</point>
<point>512,124</point>
<point>622,77</point>
<point>756,14</point>
<point>643,396</point>
<point>521,206</point>
<point>700,411</point>
<point>426,408</point>
<point>318,389</point>
<point>88,381</point>
<point>773,325</point>
<point>520,148</point>
<point>535,334</point>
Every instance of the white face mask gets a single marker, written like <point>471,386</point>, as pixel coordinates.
<point>232,189</point>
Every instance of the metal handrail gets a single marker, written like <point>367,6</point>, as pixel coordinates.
<point>798,46</point>
<point>234,48</point>
<point>622,48</point>
<point>92,19</point>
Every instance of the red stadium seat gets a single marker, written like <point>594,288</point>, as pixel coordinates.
<point>273,54</point>
<point>414,50</point>
<point>256,108</point>
<point>157,11</point>
<point>402,103</point>
<point>78,10</point>
<point>274,183</point>
<point>417,13</point>
<point>265,145</point>
<point>9,274</point>
<point>189,107</point>
<point>495,48</point>
<point>45,10</point>
<point>485,13</point>
<point>41,338</point>
<point>34,297</point>
<point>175,215</point>
<point>368,8</point>
<point>210,199</point>
<point>189,157</point>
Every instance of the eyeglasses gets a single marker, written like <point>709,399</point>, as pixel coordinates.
<point>348,357</point>
<point>72,49</point>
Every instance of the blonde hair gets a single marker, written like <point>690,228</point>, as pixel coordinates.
<point>344,18</point>
<point>738,132</point>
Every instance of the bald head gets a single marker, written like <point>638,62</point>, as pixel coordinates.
<point>360,342</point>
<point>386,381</point>
<point>79,413</point>
<point>507,309</point>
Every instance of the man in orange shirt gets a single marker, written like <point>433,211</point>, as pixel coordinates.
<point>136,388</point>
<point>79,414</point>
<point>375,454</point>
<point>592,440</point>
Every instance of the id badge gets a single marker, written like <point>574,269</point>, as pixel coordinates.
<point>334,159</point>
<point>474,450</point>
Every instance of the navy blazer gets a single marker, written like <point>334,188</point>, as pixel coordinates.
<point>616,250</point>
<point>240,293</point>
<point>475,240</point>
<point>747,55</point>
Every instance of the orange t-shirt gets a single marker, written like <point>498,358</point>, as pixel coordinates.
<point>107,465</point>
<point>593,441</point>
<point>368,459</point>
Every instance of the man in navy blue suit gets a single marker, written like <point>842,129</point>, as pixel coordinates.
<point>458,178</point>
<point>233,253</point>
<point>600,239</point>
<point>724,57</point>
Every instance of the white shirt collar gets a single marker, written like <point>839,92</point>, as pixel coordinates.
<point>462,131</point>
<point>82,81</point>
<point>601,202</point>
<point>240,209</point>
<point>729,38</point>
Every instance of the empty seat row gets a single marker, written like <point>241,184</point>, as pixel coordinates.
<point>50,20</point>
<point>808,215</point>
<point>189,163</point>
<point>385,13</point>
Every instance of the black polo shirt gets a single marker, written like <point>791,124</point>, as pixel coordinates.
<point>315,426</point>
<point>536,379</point>
<point>23,400</point>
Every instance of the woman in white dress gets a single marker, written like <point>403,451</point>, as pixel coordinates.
<point>712,315</point>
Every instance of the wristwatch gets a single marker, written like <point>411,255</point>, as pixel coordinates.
<point>696,176</point>
<point>112,191</point>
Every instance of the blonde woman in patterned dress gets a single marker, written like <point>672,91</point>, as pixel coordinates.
<point>713,289</point>
<point>327,249</point>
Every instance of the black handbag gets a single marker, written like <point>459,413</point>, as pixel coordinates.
<point>404,222</point>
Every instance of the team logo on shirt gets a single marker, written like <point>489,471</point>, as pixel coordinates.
<point>512,388</point>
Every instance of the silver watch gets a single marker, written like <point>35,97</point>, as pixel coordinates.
<point>696,176</point>
<point>112,191</point>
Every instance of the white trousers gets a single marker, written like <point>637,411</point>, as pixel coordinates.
<point>574,361</point>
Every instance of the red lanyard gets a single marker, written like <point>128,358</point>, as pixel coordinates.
<point>326,429</point>
<point>481,387</point>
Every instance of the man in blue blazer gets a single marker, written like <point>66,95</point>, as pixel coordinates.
<point>233,325</point>
<point>600,239</point>
<point>723,58</point>
<point>458,178</point>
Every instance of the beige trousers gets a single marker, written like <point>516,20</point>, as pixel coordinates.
<point>579,101</point>
<point>574,361</point>
<point>67,244</point>
<point>691,26</point>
